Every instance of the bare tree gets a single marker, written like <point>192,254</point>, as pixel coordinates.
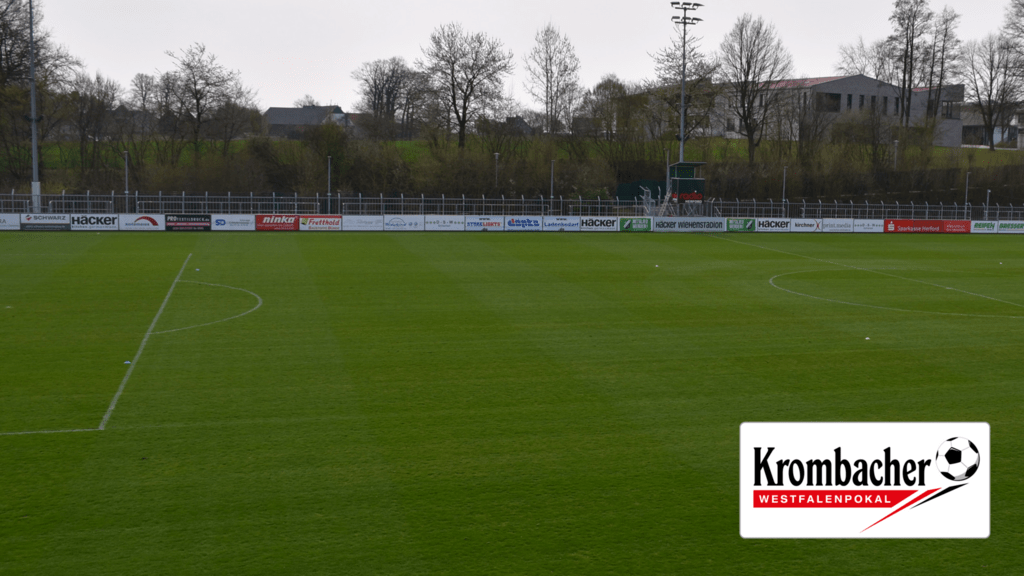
<point>553,76</point>
<point>876,60</point>
<point>701,89</point>
<point>306,100</point>
<point>204,86</point>
<point>468,69</point>
<point>236,116</point>
<point>753,60</point>
<point>943,57</point>
<point>383,87</point>
<point>911,20</point>
<point>991,82</point>
<point>92,101</point>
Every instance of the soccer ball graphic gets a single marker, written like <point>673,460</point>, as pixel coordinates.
<point>957,459</point>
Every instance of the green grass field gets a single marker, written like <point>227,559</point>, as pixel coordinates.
<point>479,403</point>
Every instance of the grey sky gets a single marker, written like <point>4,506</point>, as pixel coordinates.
<point>288,48</point>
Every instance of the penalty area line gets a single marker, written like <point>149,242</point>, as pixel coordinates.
<point>145,339</point>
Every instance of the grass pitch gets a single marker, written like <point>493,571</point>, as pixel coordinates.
<point>479,403</point>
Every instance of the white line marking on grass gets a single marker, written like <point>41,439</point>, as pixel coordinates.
<point>49,432</point>
<point>128,374</point>
<point>259,302</point>
<point>850,266</point>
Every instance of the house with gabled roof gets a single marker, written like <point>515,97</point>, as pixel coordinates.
<point>293,122</point>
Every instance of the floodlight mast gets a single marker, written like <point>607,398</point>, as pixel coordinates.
<point>36,191</point>
<point>684,21</point>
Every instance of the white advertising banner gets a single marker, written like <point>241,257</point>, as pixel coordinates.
<point>94,221</point>
<point>439,223</point>
<point>46,222</point>
<point>320,223</point>
<point>837,225</point>
<point>773,225</point>
<point>10,221</point>
<point>869,226</point>
<point>1011,227</point>
<point>142,222</point>
<point>403,224</point>
<point>984,227</point>
<point>523,223</point>
<point>484,223</point>
<point>864,480</point>
<point>240,222</point>
<point>561,223</point>
<point>363,223</point>
<point>599,224</point>
<point>805,225</point>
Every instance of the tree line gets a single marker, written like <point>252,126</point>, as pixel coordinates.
<point>444,123</point>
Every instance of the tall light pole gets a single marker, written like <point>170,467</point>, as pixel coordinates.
<point>896,153</point>
<point>36,191</point>
<point>685,21</point>
<point>496,170</point>
<point>328,178</point>
<point>126,172</point>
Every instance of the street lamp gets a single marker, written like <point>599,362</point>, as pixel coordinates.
<point>896,153</point>
<point>685,21</point>
<point>36,192</point>
<point>126,172</point>
<point>496,170</point>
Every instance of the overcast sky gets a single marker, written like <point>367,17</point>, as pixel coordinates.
<point>287,48</point>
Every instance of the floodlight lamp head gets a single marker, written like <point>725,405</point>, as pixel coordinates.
<point>686,5</point>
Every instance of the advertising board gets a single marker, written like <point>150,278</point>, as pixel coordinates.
<point>320,223</point>
<point>837,225</point>
<point>689,224</point>
<point>403,224</point>
<point>46,222</point>
<point>913,226</point>
<point>984,227</point>
<point>440,223</point>
<point>141,222</point>
<point>740,225</point>
<point>773,224</point>
<point>599,224</point>
<point>10,221</point>
<point>523,224</point>
<point>362,223</point>
<point>805,225</point>
<point>1008,227</point>
<point>869,226</point>
<point>631,224</point>
<point>187,222</point>
<point>561,223</point>
<point>956,226</point>
<point>94,221</point>
<point>865,480</point>
<point>240,222</point>
<point>485,223</point>
<point>277,222</point>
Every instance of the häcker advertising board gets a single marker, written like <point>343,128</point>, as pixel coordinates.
<point>804,225</point>
<point>837,225</point>
<point>984,227</point>
<point>46,222</point>
<point>94,221</point>
<point>865,480</point>
<point>362,223</point>
<point>523,224</point>
<point>599,224</point>
<point>773,224</point>
<point>441,223</point>
<point>869,226</point>
<point>142,222</point>
<point>674,224</point>
<point>277,222</point>
<point>403,223</point>
<point>632,224</point>
<point>187,222</point>
<point>485,223</point>
<point>561,223</point>
<point>237,222</point>
<point>320,223</point>
<point>1011,227</point>
<point>740,225</point>
<point>10,221</point>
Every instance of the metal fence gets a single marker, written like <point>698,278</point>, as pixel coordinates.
<point>160,203</point>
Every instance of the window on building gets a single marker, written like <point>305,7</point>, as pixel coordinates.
<point>760,100</point>
<point>827,102</point>
<point>849,101</point>
<point>885,105</point>
<point>730,125</point>
<point>950,110</point>
<point>896,107</point>
<point>874,103</point>
<point>861,102</point>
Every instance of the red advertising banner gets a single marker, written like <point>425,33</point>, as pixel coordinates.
<point>914,226</point>
<point>956,226</point>
<point>277,222</point>
<point>829,498</point>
